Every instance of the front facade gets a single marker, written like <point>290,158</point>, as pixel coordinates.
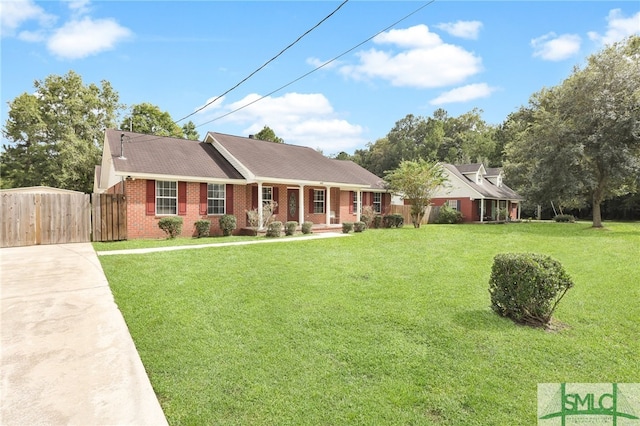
<point>225,174</point>
<point>478,193</point>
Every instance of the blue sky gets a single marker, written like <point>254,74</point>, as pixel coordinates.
<point>180,55</point>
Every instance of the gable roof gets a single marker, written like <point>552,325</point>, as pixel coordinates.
<point>224,157</point>
<point>159,155</point>
<point>469,168</point>
<point>263,160</point>
<point>487,189</point>
<point>493,171</point>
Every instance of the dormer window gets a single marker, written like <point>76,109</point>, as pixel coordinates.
<point>478,178</point>
<point>499,181</point>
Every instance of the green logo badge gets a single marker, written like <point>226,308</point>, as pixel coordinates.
<point>616,404</point>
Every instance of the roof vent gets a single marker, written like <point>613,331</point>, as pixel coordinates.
<point>252,136</point>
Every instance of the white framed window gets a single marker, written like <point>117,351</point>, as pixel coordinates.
<point>267,194</point>
<point>354,201</point>
<point>453,204</point>
<point>377,202</point>
<point>216,197</point>
<point>166,197</point>
<point>318,201</point>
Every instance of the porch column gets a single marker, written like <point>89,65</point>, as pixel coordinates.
<point>359,205</point>
<point>301,205</point>
<point>260,207</point>
<point>482,210</point>
<point>519,206</point>
<point>327,206</point>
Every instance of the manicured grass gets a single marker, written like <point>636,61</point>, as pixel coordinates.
<point>384,327</point>
<point>166,242</point>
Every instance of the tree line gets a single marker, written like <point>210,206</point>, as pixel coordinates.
<point>576,144</point>
<point>56,133</point>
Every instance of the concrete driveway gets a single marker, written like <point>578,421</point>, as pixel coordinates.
<point>67,355</point>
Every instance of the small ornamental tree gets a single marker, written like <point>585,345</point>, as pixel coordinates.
<point>416,181</point>
<point>527,287</point>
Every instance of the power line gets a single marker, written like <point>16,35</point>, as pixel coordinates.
<point>266,63</point>
<point>315,69</point>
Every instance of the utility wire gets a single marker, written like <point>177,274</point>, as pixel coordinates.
<point>315,69</point>
<point>266,63</point>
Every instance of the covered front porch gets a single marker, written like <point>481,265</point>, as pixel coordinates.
<point>496,210</point>
<point>327,206</point>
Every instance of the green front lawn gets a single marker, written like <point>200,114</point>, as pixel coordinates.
<point>384,327</point>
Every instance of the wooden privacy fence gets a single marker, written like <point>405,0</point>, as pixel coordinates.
<point>405,211</point>
<point>44,218</point>
<point>109,217</point>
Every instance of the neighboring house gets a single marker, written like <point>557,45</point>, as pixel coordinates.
<point>478,193</point>
<point>225,174</point>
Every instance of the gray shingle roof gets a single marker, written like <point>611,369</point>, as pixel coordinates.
<point>487,189</point>
<point>158,155</point>
<point>290,162</point>
<point>152,154</point>
<point>468,168</point>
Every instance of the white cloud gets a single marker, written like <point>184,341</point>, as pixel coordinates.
<point>552,47</point>
<point>78,7</point>
<point>81,38</point>
<point>464,94</point>
<point>426,62</point>
<point>317,62</point>
<point>32,36</point>
<point>210,106</point>
<point>618,27</point>
<point>15,13</point>
<point>298,118</point>
<point>416,36</point>
<point>462,29</point>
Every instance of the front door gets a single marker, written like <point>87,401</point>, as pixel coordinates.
<point>292,205</point>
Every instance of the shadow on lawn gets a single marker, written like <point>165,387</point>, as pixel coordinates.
<point>553,229</point>
<point>482,320</point>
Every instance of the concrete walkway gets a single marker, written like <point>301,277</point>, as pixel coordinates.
<point>67,355</point>
<point>234,243</point>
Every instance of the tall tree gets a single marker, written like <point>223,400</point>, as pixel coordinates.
<point>190,132</point>
<point>583,142</point>
<point>149,119</point>
<point>456,140</point>
<point>267,134</point>
<point>56,133</point>
<point>416,181</point>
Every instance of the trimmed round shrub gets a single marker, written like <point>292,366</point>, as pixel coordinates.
<point>171,225</point>
<point>359,226</point>
<point>347,227</point>
<point>527,287</point>
<point>377,221</point>
<point>228,224</point>
<point>274,229</point>
<point>393,221</point>
<point>565,218</point>
<point>448,215</point>
<point>290,227</point>
<point>202,228</point>
<point>307,227</point>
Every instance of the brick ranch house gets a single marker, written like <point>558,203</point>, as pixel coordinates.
<point>225,174</point>
<point>478,193</point>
